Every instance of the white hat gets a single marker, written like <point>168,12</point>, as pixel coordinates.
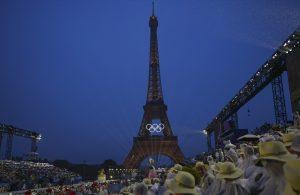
<point>267,138</point>
<point>229,145</point>
<point>248,137</point>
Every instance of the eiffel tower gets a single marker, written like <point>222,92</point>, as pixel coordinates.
<point>146,144</point>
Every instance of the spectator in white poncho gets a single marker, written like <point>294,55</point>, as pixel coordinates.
<point>229,176</point>
<point>255,176</point>
<point>183,183</point>
<point>292,175</point>
<point>273,155</point>
<point>211,184</point>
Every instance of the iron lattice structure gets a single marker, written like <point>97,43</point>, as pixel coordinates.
<point>12,131</point>
<point>146,144</point>
<point>270,70</point>
<point>279,101</point>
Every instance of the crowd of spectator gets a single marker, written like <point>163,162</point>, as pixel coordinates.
<point>29,175</point>
<point>262,164</point>
<point>266,164</point>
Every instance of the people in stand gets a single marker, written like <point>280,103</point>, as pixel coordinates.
<point>265,168</point>
<point>273,155</point>
<point>29,175</point>
<point>268,166</point>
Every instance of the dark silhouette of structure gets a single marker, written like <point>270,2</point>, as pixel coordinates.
<point>279,101</point>
<point>285,58</point>
<point>146,144</point>
<point>12,131</point>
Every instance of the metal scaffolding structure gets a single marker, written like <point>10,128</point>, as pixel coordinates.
<point>12,131</point>
<point>270,70</point>
<point>279,101</point>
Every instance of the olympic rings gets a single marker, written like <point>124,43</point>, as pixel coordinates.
<point>155,127</point>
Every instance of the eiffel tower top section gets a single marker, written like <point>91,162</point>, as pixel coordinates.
<point>154,94</point>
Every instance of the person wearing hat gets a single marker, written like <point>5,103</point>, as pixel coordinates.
<point>173,171</point>
<point>177,167</point>
<point>256,176</point>
<point>240,153</point>
<point>229,145</point>
<point>288,139</point>
<point>232,156</point>
<point>241,156</point>
<point>249,157</point>
<point>201,170</point>
<point>292,174</point>
<point>273,155</point>
<point>229,175</point>
<point>266,138</point>
<point>183,183</point>
<point>273,151</point>
<point>211,184</point>
<point>211,164</point>
<point>147,182</point>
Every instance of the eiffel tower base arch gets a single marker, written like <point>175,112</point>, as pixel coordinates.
<point>152,145</point>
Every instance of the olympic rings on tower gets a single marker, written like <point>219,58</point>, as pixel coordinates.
<point>155,127</point>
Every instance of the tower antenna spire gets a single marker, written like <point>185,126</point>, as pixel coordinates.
<point>153,8</point>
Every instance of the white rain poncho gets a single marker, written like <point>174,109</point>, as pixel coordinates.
<point>154,189</point>
<point>231,188</point>
<point>276,182</point>
<point>232,156</point>
<point>256,179</point>
<point>211,185</point>
<point>247,162</point>
<point>211,164</point>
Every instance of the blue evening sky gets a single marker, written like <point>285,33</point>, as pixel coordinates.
<point>76,70</point>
